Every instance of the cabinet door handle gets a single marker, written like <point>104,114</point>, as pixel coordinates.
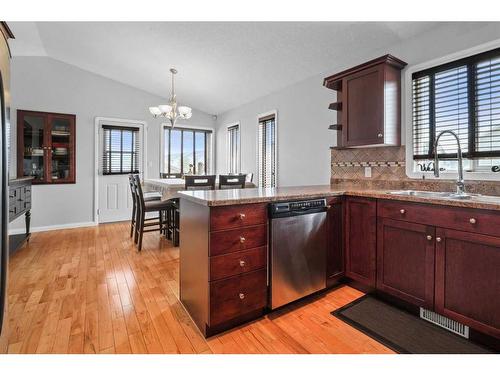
<point>380,135</point>
<point>242,216</point>
<point>438,239</point>
<point>241,295</point>
<point>472,220</point>
<point>429,237</point>
<point>242,239</point>
<point>242,263</point>
<point>402,211</point>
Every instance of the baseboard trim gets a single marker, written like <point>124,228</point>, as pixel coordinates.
<point>54,227</point>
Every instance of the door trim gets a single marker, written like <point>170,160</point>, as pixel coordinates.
<point>97,124</point>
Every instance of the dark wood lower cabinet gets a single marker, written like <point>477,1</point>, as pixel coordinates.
<point>468,279</point>
<point>361,239</point>
<point>405,261</point>
<point>335,251</point>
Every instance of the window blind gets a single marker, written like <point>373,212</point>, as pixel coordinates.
<point>233,149</point>
<point>120,150</point>
<point>267,151</point>
<point>462,96</point>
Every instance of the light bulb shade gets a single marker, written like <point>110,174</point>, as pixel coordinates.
<point>183,110</point>
<point>165,108</point>
<point>187,116</point>
<point>155,111</point>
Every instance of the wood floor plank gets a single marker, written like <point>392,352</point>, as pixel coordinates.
<point>88,290</point>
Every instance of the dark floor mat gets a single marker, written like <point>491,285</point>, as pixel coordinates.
<point>402,331</point>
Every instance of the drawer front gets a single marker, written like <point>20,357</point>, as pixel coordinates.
<point>237,263</point>
<point>228,217</point>
<point>230,298</point>
<point>229,241</point>
<point>466,219</point>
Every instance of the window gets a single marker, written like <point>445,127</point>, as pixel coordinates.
<point>462,96</point>
<point>120,150</point>
<point>267,151</point>
<point>186,151</point>
<point>233,149</point>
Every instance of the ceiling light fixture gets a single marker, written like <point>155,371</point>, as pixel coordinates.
<point>171,110</point>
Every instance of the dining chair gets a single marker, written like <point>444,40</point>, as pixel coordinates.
<point>151,196</point>
<point>199,182</point>
<point>232,181</point>
<point>144,207</point>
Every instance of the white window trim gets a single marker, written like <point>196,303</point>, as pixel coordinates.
<point>98,122</point>
<point>408,118</point>
<point>238,155</point>
<point>259,116</point>
<point>210,156</point>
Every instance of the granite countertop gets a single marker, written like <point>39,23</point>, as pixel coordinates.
<point>262,195</point>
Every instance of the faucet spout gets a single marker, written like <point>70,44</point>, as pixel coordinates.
<point>460,181</point>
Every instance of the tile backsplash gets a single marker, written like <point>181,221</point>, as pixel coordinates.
<point>389,172</point>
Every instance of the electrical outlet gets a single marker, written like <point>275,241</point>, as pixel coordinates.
<point>368,172</point>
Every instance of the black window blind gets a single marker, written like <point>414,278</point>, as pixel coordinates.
<point>267,151</point>
<point>121,150</point>
<point>462,96</point>
<point>233,148</point>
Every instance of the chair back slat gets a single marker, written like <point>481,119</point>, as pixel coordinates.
<point>200,182</point>
<point>232,181</point>
<point>170,175</point>
<point>138,190</point>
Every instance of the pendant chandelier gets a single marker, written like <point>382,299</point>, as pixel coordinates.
<point>171,110</point>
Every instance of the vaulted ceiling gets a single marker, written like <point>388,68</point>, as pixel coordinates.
<point>221,65</point>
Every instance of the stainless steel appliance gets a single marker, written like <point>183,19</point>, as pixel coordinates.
<point>4,115</point>
<point>298,249</point>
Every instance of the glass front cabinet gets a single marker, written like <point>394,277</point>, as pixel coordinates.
<point>46,147</point>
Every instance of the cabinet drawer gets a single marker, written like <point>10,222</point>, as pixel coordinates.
<point>237,263</point>
<point>227,217</point>
<point>229,241</point>
<point>230,298</point>
<point>466,219</point>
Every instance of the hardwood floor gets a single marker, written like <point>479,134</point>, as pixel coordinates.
<point>88,290</point>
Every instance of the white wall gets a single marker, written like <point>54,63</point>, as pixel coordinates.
<point>303,117</point>
<point>44,84</point>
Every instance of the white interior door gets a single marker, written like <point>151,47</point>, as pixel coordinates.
<point>114,196</point>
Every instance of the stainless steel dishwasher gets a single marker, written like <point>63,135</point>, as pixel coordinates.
<point>298,249</point>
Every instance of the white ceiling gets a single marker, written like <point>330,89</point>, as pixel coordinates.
<point>221,65</point>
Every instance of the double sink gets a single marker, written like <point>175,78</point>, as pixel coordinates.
<point>445,195</point>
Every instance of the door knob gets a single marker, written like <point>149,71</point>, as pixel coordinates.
<point>402,211</point>
<point>242,239</point>
<point>472,220</point>
<point>241,295</point>
<point>242,263</point>
<point>380,135</point>
<point>242,216</point>
<point>429,237</point>
<point>438,239</point>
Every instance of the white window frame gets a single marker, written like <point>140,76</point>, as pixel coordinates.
<point>276,145</point>
<point>211,151</point>
<point>228,152</point>
<point>408,118</point>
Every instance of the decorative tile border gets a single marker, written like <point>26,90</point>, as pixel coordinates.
<point>369,164</point>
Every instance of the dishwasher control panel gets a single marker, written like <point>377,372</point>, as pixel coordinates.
<point>281,209</point>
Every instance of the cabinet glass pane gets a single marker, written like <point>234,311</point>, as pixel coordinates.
<point>60,139</point>
<point>33,161</point>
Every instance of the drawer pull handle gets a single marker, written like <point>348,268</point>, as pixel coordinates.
<point>438,239</point>
<point>429,237</point>
<point>242,216</point>
<point>472,220</point>
<point>242,239</point>
<point>242,263</point>
<point>242,296</point>
<point>402,211</point>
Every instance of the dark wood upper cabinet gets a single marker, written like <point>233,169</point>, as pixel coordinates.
<point>361,239</point>
<point>335,251</point>
<point>468,279</point>
<point>368,103</point>
<point>46,147</point>
<point>405,261</point>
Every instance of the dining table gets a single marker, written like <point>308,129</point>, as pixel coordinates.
<point>169,187</point>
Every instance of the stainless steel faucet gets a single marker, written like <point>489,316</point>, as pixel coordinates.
<point>460,181</point>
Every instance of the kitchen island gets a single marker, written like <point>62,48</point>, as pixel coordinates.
<point>224,252</point>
